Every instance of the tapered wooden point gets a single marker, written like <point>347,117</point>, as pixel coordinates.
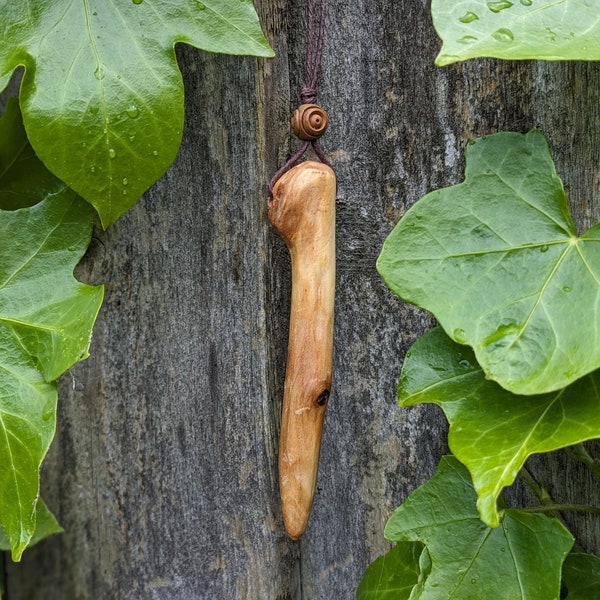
<point>303,212</point>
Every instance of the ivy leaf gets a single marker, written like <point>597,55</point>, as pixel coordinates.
<point>45,525</point>
<point>581,576</point>
<point>102,96</point>
<point>471,561</point>
<point>497,260</point>
<point>394,575</point>
<point>24,180</point>
<point>492,431</point>
<point>46,318</point>
<point>517,29</point>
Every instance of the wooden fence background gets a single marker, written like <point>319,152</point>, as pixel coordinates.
<point>163,472</point>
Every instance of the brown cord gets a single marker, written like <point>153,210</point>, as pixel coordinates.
<point>308,91</point>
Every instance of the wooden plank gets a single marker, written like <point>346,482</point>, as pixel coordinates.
<point>164,468</point>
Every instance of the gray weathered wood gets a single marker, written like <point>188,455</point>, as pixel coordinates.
<point>163,472</point>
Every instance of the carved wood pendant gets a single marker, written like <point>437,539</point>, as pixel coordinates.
<point>303,212</point>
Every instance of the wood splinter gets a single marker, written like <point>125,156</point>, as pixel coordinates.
<point>303,212</point>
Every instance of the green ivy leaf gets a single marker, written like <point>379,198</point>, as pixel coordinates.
<point>581,576</point>
<point>46,318</point>
<point>394,575</point>
<point>497,260</point>
<point>102,96</point>
<point>517,29</point>
<point>45,525</point>
<point>24,180</point>
<point>492,431</point>
<point>470,561</point>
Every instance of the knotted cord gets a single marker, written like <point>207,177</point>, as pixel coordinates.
<point>308,90</point>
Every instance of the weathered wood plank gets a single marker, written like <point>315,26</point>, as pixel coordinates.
<point>164,468</point>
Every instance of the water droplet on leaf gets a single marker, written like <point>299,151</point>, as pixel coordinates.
<point>137,1</point>
<point>503,35</point>
<point>125,182</point>
<point>92,169</point>
<point>464,364</point>
<point>201,6</point>
<point>526,2</point>
<point>155,152</point>
<point>460,335</point>
<point>566,288</point>
<point>99,73</point>
<point>132,111</point>
<point>112,152</point>
<point>544,248</point>
<point>467,39</point>
<point>496,7</point>
<point>468,17</point>
<point>94,110</point>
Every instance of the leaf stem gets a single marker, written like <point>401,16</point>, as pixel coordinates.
<point>540,492</point>
<point>578,452</point>
<point>594,510</point>
<point>547,504</point>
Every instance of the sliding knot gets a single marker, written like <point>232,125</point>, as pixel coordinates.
<point>308,94</point>
<point>309,122</point>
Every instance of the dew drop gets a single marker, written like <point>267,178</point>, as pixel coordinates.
<point>83,144</point>
<point>132,111</point>
<point>473,581</point>
<point>503,35</point>
<point>460,335</point>
<point>526,2</point>
<point>92,169</point>
<point>48,411</point>
<point>155,152</point>
<point>464,364</point>
<point>112,152</point>
<point>496,7</point>
<point>99,74</point>
<point>125,182</point>
<point>544,248</point>
<point>551,34</point>
<point>467,39</point>
<point>124,192</point>
<point>502,549</point>
<point>566,288</point>
<point>201,5</point>
<point>94,110</point>
<point>468,17</point>
<point>131,138</point>
<point>137,1</point>
<point>95,13</point>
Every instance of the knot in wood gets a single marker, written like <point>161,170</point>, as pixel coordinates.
<point>309,122</point>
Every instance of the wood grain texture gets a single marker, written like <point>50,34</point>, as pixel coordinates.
<point>302,210</point>
<point>164,470</point>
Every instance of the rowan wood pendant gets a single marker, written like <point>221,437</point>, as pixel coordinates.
<point>303,212</point>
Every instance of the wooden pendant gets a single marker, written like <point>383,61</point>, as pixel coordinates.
<point>303,212</point>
